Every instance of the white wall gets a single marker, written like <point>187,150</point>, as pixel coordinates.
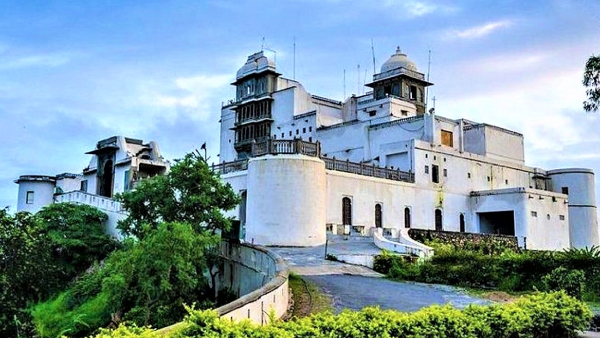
<point>43,193</point>
<point>286,200</point>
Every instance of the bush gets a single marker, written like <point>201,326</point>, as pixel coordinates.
<point>571,281</point>
<point>541,315</point>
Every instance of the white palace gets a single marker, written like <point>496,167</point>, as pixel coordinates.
<point>373,165</point>
<point>307,165</point>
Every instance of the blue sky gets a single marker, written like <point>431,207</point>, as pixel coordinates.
<point>75,72</point>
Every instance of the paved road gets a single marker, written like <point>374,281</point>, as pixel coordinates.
<point>355,287</point>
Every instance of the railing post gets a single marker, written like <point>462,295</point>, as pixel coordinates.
<point>253,151</point>
<point>298,144</point>
<point>269,146</point>
<point>318,149</point>
<point>347,165</point>
<point>361,168</point>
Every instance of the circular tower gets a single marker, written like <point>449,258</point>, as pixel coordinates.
<point>286,200</point>
<point>35,192</point>
<point>578,184</point>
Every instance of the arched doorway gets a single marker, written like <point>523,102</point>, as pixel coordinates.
<point>462,222</point>
<point>347,211</point>
<point>438,220</point>
<point>378,215</point>
<point>407,217</point>
<point>107,179</point>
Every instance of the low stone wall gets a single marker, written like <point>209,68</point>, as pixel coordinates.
<point>259,276</point>
<point>465,239</point>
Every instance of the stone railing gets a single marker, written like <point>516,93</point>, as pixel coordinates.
<point>259,276</point>
<point>296,146</point>
<point>81,197</point>
<point>419,249</point>
<point>368,170</point>
<point>398,71</point>
<point>227,167</point>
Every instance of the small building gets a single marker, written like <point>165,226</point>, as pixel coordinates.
<point>118,163</point>
<point>305,165</point>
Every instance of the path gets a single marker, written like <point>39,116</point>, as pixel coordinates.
<point>355,287</point>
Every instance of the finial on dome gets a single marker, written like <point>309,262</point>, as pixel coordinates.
<point>398,51</point>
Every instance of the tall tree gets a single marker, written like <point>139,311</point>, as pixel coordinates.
<point>591,80</point>
<point>76,234</point>
<point>190,193</point>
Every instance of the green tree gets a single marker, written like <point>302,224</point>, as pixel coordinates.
<point>190,193</point>
<point>28,271</point>
<point>77,236</point>
<point>591,80</point>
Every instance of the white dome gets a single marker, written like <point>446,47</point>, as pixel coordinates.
<point>256,63</point>
<point>398,60</point>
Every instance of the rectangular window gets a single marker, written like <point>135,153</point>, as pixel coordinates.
<point>561,217</point>
<point>282,135</point>
<point>84,184</point>
<point>435,174</point>
<point>427,169</point>
<point>404,112</point>
<point>565,190</point>
<point>372,113</point>
<point>468,175</point>
<point>303,130</point>
<point>126,180</point>
<point>290,133</point>
<point>447,138</point>
<point>297,131</point>
<point>310,129</point>
<point>445,172</point>
<point>29,197</point>
<point>413,92</point>
<point>534,214</point>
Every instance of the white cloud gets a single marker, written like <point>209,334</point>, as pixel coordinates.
<point>417,8</point>
<point>477,31</point>
<point>42,60</point>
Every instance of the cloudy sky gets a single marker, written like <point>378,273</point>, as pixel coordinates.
<point>75,72</point>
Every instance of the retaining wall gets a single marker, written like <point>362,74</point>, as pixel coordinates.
<point>261,279</point>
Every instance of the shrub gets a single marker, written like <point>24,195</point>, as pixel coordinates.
<point>571,281</point>
<point>540,315</point>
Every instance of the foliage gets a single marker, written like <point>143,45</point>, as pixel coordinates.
<point>76,234</point>
<point>591,80</point>
<point>509,271</point>
<point>147,283</point>
<point>540,315</point>
<point>571,281</point>
<point>128,331</point>
<point>191,193</point>
<point>28,271</point>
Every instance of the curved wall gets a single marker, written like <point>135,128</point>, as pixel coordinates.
<point>286,200</point>
<point>583,216</point>
<point>261,278</point>
<point>43,192</point>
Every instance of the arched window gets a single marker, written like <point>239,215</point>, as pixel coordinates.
<point>438,220</point>
<point>347,211</point>
<point>378,215</point>
<point>407,217</point>
<point>462,222</point>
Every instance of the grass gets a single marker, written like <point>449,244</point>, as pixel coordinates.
<point>308,298</point>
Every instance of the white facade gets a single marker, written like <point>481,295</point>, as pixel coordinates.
<point>122,161</point>
<point>464,176</point>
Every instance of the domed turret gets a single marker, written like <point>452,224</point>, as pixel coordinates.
<point>398,60</point>
<point>256,63</point>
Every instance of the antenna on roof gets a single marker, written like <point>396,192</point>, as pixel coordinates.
<point>365,81</point>
<point>344,85</point>
<point>357,80</point>
<point>427,88</point>
<point>373,52</point>
<point>294,58</point>
<point>262,46</point>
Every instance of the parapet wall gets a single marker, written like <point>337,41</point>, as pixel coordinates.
<point>259,276</point>
<point>261,279</point>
